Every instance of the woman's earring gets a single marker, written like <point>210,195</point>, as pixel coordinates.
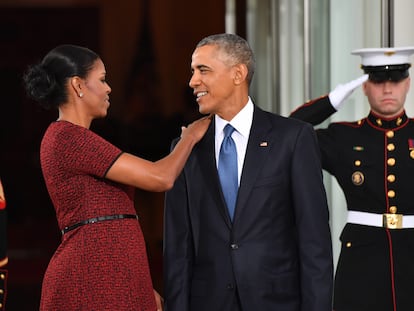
<point>81,94</point>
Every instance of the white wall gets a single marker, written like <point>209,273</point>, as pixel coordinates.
<point>404,36</point>
<point>354,24</point>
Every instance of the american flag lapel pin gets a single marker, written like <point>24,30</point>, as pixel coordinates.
<point>263,144</point>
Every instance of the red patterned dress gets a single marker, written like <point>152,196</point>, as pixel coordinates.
<point>98,266</point>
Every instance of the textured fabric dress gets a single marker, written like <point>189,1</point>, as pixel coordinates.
<point>98,266</point>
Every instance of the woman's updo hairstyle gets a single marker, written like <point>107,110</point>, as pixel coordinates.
<point>46,81</point>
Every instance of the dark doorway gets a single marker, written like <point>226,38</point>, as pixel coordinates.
<point>26,34</point>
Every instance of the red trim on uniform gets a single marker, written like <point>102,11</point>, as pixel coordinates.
<point>410,143</point>
<point>354,124</point>
<point>388,230</point>
<point>312,101</point>
<point>309,102</point>
<point>390,118</point>
<point>379,128</point>
<point>394,300</point>
<point>387,205</point>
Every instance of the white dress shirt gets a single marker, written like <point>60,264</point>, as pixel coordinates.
<point>242,123</point>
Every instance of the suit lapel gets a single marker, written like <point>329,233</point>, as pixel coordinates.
<point>257,151</point>
<point>208,166</point>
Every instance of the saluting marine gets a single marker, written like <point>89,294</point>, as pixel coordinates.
<point>3,245</point>
<point>373,162</point>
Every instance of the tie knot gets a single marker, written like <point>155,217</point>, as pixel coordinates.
<point>228,130</point>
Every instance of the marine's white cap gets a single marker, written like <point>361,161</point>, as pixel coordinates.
<point>384,56</point>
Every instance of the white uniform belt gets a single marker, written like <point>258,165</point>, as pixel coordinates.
<point>390,221</point>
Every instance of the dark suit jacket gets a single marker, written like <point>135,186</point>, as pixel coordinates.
<point>276,255</point>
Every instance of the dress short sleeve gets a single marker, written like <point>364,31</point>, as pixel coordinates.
<point>77,149</point>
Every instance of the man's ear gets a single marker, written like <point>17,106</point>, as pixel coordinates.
<point>364,88</point>
<point>408,83</point>
<point>240,73</point>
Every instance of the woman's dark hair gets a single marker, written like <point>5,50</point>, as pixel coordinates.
<point>46,81</point>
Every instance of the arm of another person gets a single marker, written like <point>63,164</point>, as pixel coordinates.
<point>159,301</point>
<point>160,175</point>
<point>319,109</point>
<point>312,222</point>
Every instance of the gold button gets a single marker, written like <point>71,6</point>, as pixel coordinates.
<point>349,244</point>
<point>390,134</point>
<point>357,163</point>
<point>1,305</point>
<point>393,209</point>
<point>391,193</point>
<point>2,276</point>
<point>391,178</point>
<point>1,292</point>
<point>390,147</point>
<point>391,161</point>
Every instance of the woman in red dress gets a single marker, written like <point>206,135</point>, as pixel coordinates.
<point>101,263</point>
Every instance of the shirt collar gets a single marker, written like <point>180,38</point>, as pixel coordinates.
<point>242,121</point>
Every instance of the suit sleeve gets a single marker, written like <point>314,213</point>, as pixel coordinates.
<point>178,250</point>
<point>3,249</point>
<point>314,111</point>
<point>312,220</point>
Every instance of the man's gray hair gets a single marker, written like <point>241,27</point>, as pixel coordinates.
<point>236,48</point>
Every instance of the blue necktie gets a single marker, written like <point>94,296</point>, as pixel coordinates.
<point>227,169</point>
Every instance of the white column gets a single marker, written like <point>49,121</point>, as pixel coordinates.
<point>404,36</point>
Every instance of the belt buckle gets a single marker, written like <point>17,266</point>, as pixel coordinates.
<point>392,221</point>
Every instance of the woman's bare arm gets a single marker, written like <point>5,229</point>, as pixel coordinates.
<point>160,175</point>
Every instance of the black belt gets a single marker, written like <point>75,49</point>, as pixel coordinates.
<point>97,219</point>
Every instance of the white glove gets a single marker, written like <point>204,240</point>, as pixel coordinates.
<point>342,91</point>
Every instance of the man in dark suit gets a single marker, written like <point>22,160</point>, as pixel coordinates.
<point>272,251</point>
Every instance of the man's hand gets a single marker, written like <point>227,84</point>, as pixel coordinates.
<point>342,91</point>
